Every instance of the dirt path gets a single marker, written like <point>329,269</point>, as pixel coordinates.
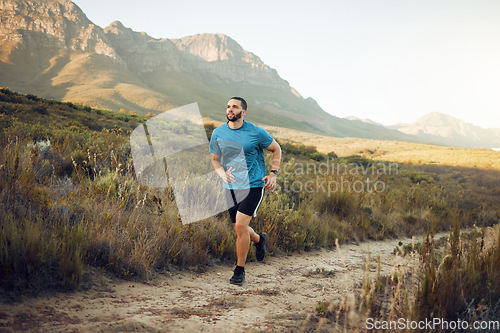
<point>278,295</point>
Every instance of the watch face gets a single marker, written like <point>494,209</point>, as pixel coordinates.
<point>274,171</point>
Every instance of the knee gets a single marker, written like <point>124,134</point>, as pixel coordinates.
<point>240,229</point>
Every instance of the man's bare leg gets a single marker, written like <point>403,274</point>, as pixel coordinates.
<point>244,234</point>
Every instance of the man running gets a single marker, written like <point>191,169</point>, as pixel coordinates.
<point>243,171</point>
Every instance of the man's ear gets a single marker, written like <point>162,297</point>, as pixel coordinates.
<point>243,112</point>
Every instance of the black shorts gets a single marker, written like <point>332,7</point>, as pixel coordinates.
<point>245,201</point>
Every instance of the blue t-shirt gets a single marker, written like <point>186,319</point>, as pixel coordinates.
<point>242,149</point>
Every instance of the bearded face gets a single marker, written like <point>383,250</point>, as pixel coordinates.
<point>234,110</point>
<point>233,116</point>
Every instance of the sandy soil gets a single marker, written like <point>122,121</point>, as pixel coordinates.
<point>279,294</point>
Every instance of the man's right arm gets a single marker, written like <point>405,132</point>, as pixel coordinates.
<point>226,176</point>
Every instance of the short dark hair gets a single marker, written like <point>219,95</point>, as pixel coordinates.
<point>243,102</point>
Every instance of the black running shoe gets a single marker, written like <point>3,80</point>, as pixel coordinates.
<point>260,248</point>
<point>238,279</point>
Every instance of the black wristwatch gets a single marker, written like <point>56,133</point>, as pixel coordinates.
<point>275,172</point>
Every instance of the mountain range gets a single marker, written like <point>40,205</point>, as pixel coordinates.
<point>50,48</point>
<point>450,131</point>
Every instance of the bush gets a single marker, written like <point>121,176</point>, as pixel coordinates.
<point>41,109</point>
<point>464,283</point>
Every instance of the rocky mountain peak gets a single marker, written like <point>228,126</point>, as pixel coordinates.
<point>222,56</point>
<point>50,48</point>
<point>34,10</point>
<point>116,28</point>
<point>438,119</point>
<point>213,47</point>
<point>50,24</point>
<point>448,130</point>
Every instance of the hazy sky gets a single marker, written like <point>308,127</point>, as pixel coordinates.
<point>391,61</point>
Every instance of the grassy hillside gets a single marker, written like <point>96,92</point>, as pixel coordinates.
<point>69,198</point>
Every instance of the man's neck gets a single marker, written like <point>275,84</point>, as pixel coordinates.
<point>235,124</point>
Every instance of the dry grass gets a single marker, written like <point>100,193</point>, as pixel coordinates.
<point>457,283</point>
<point>69,198</point>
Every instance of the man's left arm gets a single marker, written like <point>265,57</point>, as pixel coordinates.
<point>270,179</point>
